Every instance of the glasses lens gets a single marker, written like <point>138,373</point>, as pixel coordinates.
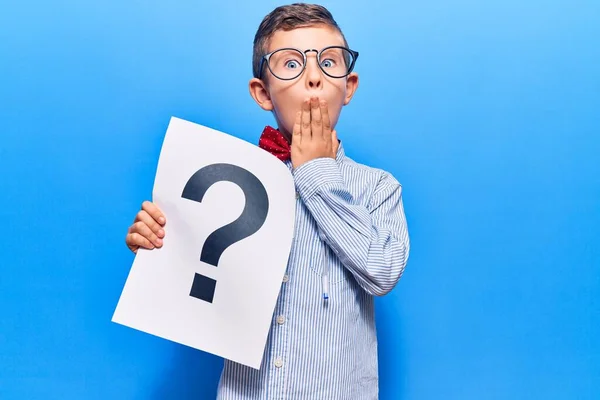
<point>286,64</point>
<point>336,61</point>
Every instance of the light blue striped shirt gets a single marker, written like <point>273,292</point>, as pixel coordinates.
<point>351,230</point>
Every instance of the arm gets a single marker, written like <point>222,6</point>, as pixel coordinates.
<point>371,241</point>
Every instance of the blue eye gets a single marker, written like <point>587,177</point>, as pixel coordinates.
<point>328,63</point>
<point>292,64</point>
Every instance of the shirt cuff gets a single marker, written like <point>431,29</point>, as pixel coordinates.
<point>316,174</point>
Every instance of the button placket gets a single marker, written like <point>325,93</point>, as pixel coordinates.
<point>280,329</point>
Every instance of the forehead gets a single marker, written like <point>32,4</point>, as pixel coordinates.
<point>310,37</point>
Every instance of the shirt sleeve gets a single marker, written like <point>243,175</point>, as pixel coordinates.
<point>371,241</point>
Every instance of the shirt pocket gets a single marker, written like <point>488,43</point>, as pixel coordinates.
<point>323,261</point>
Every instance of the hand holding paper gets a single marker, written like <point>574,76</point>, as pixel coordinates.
<point>147,230</point>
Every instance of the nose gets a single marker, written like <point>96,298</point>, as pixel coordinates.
<point>314,77</point>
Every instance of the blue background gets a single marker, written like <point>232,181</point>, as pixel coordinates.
<point>487,112</point>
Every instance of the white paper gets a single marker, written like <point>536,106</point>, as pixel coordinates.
<point>156,297</point>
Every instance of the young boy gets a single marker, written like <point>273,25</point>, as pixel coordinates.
<point>350,242</point>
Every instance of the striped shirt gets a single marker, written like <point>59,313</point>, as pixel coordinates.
<point>351,241</point>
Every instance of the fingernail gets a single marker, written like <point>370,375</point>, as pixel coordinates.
<point>159,242</point>
<point>161,220</point>
<point>161,232</point>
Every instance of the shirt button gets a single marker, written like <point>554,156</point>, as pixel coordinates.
<point>286,278</point>
<point>278,363</point>
<point>281,320</point>
<point>297,195</point>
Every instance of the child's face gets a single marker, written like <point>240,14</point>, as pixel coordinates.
<point>285,97</point>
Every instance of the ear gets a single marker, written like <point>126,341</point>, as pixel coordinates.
<point>260,94</point>
<point>351,86</point>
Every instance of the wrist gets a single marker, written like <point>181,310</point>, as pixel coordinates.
<point>315,174</point>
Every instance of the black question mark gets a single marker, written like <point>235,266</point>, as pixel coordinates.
<point>252,218</point>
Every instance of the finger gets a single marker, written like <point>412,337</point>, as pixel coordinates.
<point>325,118</point>
<point>136,240</point>
<point>306,120</point>
<point>144,230</point>
<point>143,216</point>
<point>335,144</point>
<point>297,131</point>
<point>315,118</point>
<point>154,212</point>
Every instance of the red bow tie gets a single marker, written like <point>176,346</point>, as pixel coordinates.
<point>275,143</point>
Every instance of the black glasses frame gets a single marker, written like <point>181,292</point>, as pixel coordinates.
<point>266,57</point>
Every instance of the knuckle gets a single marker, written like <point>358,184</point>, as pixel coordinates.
<point>134,239</point>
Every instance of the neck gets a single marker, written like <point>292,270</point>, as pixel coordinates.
<point>286,134</point>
